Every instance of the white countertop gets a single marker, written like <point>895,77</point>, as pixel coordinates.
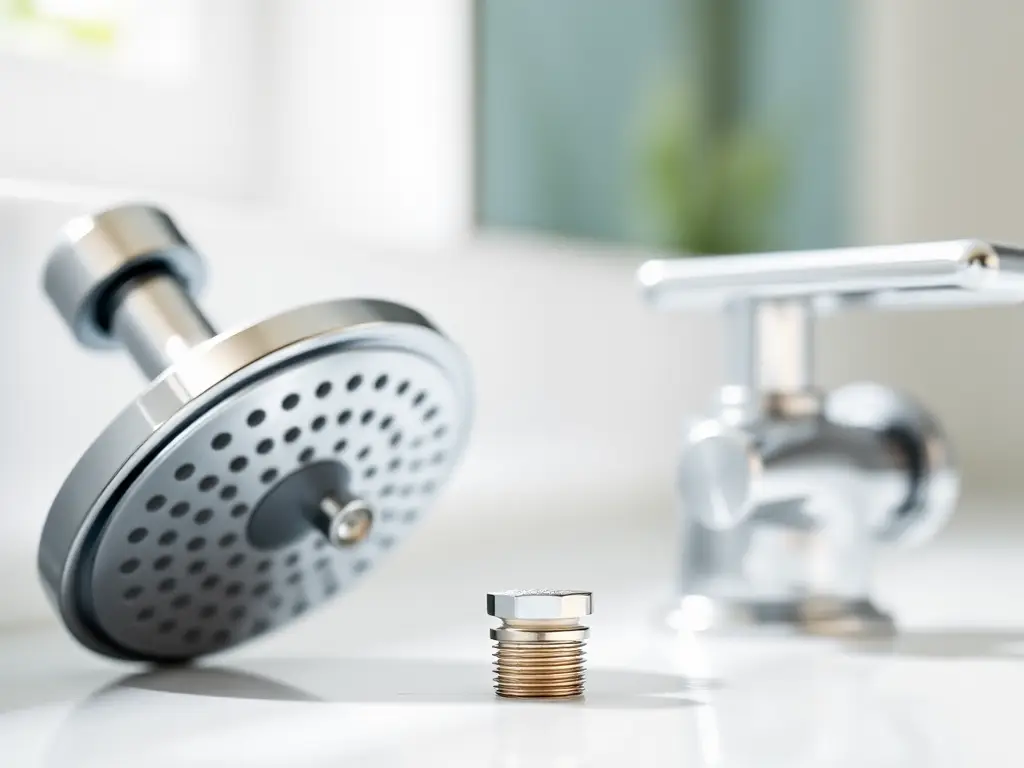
<point>397,672</point>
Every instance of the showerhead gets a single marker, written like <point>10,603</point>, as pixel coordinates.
<point>261,472</point>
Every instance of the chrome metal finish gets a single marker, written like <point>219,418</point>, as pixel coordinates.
<point>785,491</point>
<point>915,276</point>
<point>96,255</point>
<point>186,527</point>
<point>157,322</point>
<point>771,345</point>
<point>344,524</point>
<point>539,647</point>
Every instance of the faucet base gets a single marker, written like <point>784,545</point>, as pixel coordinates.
<point>817,616</point>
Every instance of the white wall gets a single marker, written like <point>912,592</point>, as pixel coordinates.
<point>372,113</point>
<point>88,125</point>
<point>354,112</point>
<point>940,156</point>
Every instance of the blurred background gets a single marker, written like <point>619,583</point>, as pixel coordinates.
<point>505,167</point>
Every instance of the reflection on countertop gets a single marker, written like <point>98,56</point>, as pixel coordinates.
<point>363,684</point>
<point>812,706</point>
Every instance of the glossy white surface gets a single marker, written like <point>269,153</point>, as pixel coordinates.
<point>397,673</point>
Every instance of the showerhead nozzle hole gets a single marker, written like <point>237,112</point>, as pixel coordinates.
<point>184,472</point>
<point>203,516</point>
<point>354,383</point>
<point>137,535</point>
<point>210,582</point>
<point>290,402</point>
<point>256,418</point>
<point>323,390</point>
<point>264,446</point>
<point>221,441</point>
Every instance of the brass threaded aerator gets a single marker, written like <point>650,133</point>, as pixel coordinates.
<point>539,647</point>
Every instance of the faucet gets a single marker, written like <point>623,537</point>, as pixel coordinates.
<point>786,490</point>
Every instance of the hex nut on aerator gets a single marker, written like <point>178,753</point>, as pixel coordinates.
<point>539,645</point>
<point>539,604</point>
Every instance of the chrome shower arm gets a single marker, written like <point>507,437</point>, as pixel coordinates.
<point>913,276</point>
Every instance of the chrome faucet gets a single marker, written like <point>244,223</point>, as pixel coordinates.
<point>786,490</point>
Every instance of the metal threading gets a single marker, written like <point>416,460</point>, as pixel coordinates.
<point>540,668</point>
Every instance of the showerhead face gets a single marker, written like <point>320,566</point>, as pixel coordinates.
<point>265,472</point>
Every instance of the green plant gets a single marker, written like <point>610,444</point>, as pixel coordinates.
<point>713,180</point>
<point>708,192</point>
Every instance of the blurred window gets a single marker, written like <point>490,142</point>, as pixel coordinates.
<point>697,125</point>
<point>153,39</point>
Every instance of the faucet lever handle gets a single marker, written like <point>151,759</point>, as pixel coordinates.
<point>912,276</point>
